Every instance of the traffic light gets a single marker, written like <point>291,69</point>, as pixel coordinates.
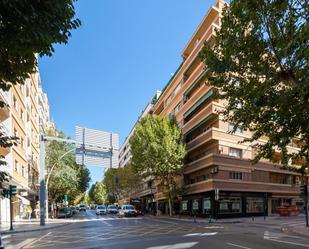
<point>13,190</point>
<point>304,190</point>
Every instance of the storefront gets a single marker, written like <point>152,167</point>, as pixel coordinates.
<point>230,204</point>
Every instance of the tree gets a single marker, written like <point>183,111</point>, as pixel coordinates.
<point>29,28</point>
<point>259,64</point>
<point>120,182</point>
<point>97,193</point>
<point>158,151</point>
<point>67,176</point>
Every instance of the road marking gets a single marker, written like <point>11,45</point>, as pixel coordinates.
<point>239,246</point>
<point>200,234</point>
<point>289,242</point>
<point>184,245</point>
<point>214,227</point>
<point>21,244</point>
<point>34,240</point>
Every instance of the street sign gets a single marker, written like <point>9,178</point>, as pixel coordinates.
<point>65,198</point>
<point>96,148</point>
<point>13,190</point>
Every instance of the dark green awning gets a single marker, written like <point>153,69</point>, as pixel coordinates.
<point>201,77</point>
<point>198,103</point>
<point>209,117</point>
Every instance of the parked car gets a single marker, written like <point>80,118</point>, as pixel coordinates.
<point>112,209</point>
<point>127,211</point>
<point>101,209</point>
<point>82,207</point>
<point>74,210</point>
<point>64,213</point>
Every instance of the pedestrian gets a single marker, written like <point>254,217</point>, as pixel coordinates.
<point>29,212</point>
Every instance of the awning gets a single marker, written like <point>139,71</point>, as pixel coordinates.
<point>201,77</point>
<point>198,103</point>
<point>210,116</point>
<point>23,200</point>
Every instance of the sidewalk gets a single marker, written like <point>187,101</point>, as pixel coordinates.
<point>30,226</point>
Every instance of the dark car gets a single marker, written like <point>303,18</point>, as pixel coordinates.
<point>64,213</point>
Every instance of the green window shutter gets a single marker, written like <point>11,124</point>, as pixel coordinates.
<point>209,117</point>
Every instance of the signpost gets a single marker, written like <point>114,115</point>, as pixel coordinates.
<point>304,193</point>
<point>93,147</point>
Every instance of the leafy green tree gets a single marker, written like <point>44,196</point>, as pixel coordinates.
<point>120,182</point>
<point>67,177</point>
<point>97,193</point>
<point>29,28</point>
<point>158,151</point>
<point>259,64</point>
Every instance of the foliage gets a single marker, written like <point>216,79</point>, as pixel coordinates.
<point>158,151</point>
<point>259,64</point>
<point>120,182</point>
<point>28,28</point>
<point>97,193</point>
<point>67,177</point>
<point>82,198</point>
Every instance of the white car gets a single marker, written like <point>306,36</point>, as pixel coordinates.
<point>101,209</point>
<point>82,207</point>
<point>127,211</point>
<point>112,209</point>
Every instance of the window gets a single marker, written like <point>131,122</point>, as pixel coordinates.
<point>16,165</point>
<point>22,142</point>
<point>230,205</point>
<point>254,205</point>
<point>23,172</point>
<point>177,108</point>
<point>235,152</point>
<point>232,127</point>
<point>14,102</point>
<point>236,175</point>
<point>21,114</point>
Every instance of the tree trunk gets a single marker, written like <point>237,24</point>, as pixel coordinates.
<point>170,206</point>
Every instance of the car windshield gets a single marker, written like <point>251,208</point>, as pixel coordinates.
<point>101,207</point>
<point>81,206</point>
<point>112,207</point>
<point>129,207</point>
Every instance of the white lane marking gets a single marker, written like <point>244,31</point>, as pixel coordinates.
<point>184,245</point>
<point>289,242</point>
<point>200,234</point>
<point>6,236</point>
<point>21,244</point>
<point>106,223</point>
<point>292,222</point>
<point>214,227</point>
<point>239,246</point>
<point>36,240</point>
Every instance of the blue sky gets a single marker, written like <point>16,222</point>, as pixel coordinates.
<point>124,51</point>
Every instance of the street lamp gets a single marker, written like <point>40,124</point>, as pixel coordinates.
<point>48,177</point>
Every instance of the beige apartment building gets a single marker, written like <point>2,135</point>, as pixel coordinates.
<point>219,178</point>
<point>25,117</point>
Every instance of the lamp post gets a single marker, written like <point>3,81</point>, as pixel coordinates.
<point>48,177</point>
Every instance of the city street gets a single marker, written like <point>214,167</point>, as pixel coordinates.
<point>87,230</point>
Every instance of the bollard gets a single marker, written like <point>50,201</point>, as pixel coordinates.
<point>210,221</point>
<point>194,218</point>
<point>252,218</point>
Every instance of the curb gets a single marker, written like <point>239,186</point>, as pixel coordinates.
<point>33,230</point>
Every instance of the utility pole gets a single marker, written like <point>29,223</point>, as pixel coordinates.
<point>42,181</point>
<point>304,193</point>
<point>12,192</point>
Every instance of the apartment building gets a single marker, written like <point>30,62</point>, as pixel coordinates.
<point>219,178</point>
<point>25,117</point>
<point>125,151</point>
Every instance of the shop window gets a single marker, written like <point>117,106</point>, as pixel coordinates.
<point>235,152</point>
<point>254,205</point>
<point>230,205</point>
<point>206,206</point>
<point>184,205</point>
<point>236,175</point>
<point>195,205</point>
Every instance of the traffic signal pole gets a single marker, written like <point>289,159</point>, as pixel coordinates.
<point>11,213</point>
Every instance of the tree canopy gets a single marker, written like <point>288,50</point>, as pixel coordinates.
<point>97,193</point>
<point>28,28</point>
<point>120,182</point>
<point>259,64</point>
<point>158,151</point>
<point>67,177</point>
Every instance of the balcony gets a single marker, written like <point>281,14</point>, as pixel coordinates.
<point>5,132</point>
<point>211,108</point>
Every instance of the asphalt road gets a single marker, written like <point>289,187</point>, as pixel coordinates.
<point>111,232</point>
